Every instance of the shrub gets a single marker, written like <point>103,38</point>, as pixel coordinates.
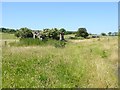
<point>82,32</point>
<point>104,54</point>
<point>24,33</point>
<point>103,34</point>
<point>51,33</point>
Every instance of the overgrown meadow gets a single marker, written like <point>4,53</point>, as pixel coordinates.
<point>87,63</point>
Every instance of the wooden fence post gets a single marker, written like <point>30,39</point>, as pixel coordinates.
<point>5,43</point>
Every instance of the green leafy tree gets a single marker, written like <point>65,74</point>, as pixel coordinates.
<point>55,33</point>
<point>17,34</point>
<point>109,33</point>
<point>82,32</point>
<point>63,30</point>
<point>24,33</point>
<point>7,30</point>
<point>103,34</point>
<point>51,33</point>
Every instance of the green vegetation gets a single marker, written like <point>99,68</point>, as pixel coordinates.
<point>79,62</point>
<point>88,63</point>
<point>103,34</point>
<point>7,30</point>
<point>37,42</point>
<point>82,32</point>
<point>52,33</point>
<point>109,33</point>
<point>46,33</point>
<point>24,33</point>
<point>7,36</point>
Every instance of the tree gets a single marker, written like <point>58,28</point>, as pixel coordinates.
<point>55,33</point>
<point>3,30</point>
<point>109,33</point>
<point>7,30</point>
<point>62,30</point>
<point>24,33</point>
<point>17,34</point>
<point>103,34</point>
<point>51,33</point>
<point>82,32</point>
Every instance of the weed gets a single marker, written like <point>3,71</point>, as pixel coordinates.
<point>104,54</point>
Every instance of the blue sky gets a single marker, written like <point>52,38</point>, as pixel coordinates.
<point>96,17</point>
<point>119,14</point>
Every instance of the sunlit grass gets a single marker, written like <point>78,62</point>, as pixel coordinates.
<point>80,64</point>
<point>7,36</point>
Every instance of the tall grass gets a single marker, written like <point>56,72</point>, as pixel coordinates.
<point>37,42</point>
<point>7,36</point>
<point>78,65</point>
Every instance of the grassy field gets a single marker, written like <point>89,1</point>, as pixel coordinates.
<point>7,36</point>
<point>86,63</point>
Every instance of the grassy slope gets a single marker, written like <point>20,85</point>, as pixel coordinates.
<point>80,64</point>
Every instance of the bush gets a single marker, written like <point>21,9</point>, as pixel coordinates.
<point>51,33</point>
<point>103,34</point>
<point>104,54</point>
<point>82,32</point>
<point>24,33</point>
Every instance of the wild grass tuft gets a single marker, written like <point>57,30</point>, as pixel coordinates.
<point>37,42</point>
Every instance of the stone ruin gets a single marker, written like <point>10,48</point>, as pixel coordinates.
<point>37,34</point>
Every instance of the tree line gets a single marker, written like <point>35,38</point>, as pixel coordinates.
<point>8,30</point>
<point>45,33</point>
<point>51,33</point>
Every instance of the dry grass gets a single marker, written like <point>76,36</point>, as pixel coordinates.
<point>86,64</point>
